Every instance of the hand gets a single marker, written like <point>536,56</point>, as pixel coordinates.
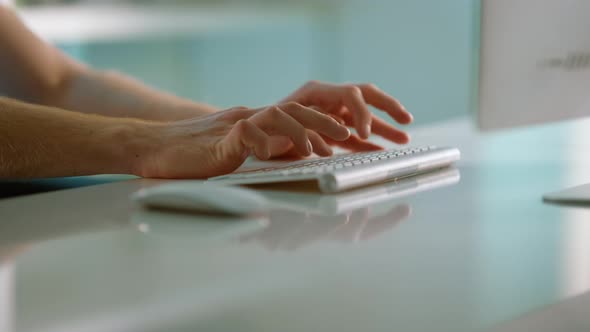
<point>219,143</point>
<point>348,105</point>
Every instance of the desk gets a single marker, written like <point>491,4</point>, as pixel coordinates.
<point>464,257</point>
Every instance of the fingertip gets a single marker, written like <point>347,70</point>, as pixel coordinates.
<point>309,147</point>
<point>263,156</point>
<point>263,152</point>
<point>405,139</point>
<point>404,117</point>
<point>343,135</point>
<point>409,117</point>
<point>348,132</point>
<point>366,132</point>
<point>325,152</point>
<point>329,152</point>
<point>245,154</point>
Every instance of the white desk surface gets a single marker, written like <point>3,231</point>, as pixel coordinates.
<point>466,257</point>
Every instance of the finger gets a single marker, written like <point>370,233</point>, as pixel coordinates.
<point>381,100</point>
<point>276,122</point>
<point>315,120</point>
<point>251,137</point>
<point>280,146</point>
<point>389,132</point>
<point>355,144</point>
<point>320,147</point>
<point>354,101</point>
<point>283,147</point>
<point>334,115</point>
<point>383,129</point>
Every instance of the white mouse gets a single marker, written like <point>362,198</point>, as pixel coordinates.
<point>196,196</point>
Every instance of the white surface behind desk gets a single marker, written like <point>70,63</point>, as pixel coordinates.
<point>465,257</point>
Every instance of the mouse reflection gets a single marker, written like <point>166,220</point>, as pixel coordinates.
<point>291,230</point>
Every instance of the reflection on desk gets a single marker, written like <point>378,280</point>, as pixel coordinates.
<point>290,230</point>
<point>6,297</point>
<point>302,218</point>
<point>297,217</point>
<point>40,217</point>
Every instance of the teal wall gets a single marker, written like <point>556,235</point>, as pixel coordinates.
<point>418,50</point>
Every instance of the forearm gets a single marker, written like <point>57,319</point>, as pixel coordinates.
<point>115,95</point>
<point>33,71</point>
<point>38,141</point>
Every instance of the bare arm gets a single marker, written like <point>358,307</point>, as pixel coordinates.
<point>36,72</point>
<point>39,141</point>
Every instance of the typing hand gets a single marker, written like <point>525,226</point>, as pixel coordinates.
<point>348,104</point>
<point>219,143</point>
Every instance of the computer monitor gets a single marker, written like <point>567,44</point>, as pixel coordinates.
<point>534,62</point>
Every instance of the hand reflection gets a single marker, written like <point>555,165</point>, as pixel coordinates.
<point>290,230</point>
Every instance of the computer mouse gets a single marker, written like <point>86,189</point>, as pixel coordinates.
<point>200,197</point>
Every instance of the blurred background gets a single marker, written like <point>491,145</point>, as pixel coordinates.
<point>254,52</point>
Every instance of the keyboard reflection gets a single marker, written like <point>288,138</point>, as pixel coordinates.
<point>306,218</point>
<point>302,199</point>
<point>290,230</point>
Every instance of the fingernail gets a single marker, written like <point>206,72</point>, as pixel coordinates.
<point>309,147</point>
<point>246,153</point>
<point>348,133</point>
<point>267,154</point>
<point>367,131</point>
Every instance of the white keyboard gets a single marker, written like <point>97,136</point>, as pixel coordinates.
<point>343,172</point>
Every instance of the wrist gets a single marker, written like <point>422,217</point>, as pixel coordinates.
<point>133,143</point>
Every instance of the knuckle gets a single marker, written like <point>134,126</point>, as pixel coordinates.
<point>241,125</point>
<point>352,89</point>
<point>293,105</point>
<point>370,86</point>
<point>274,112</point>
<point>312,83</point>
<point>301,130</point>
<point>240,108</point>
<point>234,114</point>
<point>296,130</point>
